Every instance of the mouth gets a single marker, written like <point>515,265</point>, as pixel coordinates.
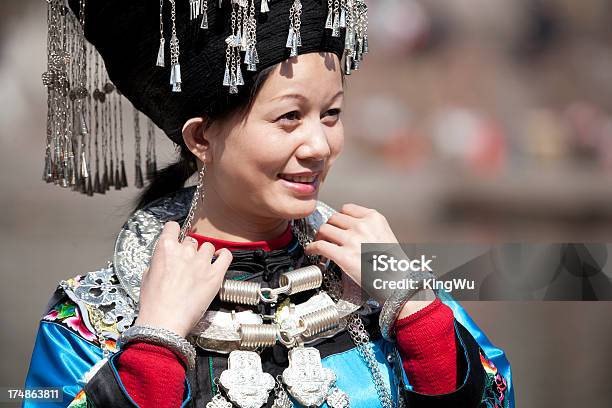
<point>302,178</point>
<point>302,183</point>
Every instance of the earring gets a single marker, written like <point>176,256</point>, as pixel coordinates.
<point>199,192</point>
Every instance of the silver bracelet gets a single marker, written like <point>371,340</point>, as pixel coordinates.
<point>161,337</point>
<point>393,305</point>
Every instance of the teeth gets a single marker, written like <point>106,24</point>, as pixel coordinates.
<point>300,179</point>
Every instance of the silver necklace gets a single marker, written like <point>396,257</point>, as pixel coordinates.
<point>306,379</point>
<point>359,335</point>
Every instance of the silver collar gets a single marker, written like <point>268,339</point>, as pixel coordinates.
<point>218,330</point>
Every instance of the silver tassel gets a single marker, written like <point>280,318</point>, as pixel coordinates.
<point>47,172</point>
<point>336,26</point>
<point>175,68</point>
<point>329,23</point>
<point>294,39</point>
<point>248,60</point>
<point>243,41</point>
<point>195,8</point>
<point>290,38</point>
<point>204,23</point>
<point>239,78</point>
<point>264,6</point>
<point>233,87</point>
<point>175,78</point>
<point>161,54</point>
<point>84,167</point>
<point>226,76</point>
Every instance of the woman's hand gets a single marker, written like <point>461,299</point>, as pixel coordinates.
<point>340,239</point>
<point>181,282</point>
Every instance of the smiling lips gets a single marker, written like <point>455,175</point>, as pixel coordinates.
<point>300,177</point>
<point>303,183</point>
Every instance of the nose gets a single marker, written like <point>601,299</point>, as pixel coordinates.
<point>315,145</point>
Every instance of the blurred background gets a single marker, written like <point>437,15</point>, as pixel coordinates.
<point>471,120</point>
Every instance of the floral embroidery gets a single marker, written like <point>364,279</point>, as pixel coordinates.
<point>495,388</point>
<point>79,401</point>
<point>111,345</point>
<point>68,314</point>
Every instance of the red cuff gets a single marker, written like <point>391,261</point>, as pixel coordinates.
<point>426,343</point>
<point>152,375</point>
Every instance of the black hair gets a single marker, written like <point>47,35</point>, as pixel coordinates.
<point>173,177</point>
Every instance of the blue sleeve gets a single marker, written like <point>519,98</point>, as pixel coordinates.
<point>492,354</point>
<point>60,359</point>
<point>67,356</point>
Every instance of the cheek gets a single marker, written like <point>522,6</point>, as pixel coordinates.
<point>254,157</point>
<point>336,141</point>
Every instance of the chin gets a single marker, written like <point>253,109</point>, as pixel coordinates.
<point>298,208</point>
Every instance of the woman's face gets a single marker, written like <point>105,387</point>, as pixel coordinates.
<point>270,163</point>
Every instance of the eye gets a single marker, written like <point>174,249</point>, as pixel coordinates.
<point>290,116</point>
<point>333,112</point>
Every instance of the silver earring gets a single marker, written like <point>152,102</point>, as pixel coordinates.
<point>199,192</point>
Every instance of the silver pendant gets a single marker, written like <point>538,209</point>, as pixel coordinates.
<point>306,378</point>
<point>246,384</point>
<point>338,399</point>
<point>219,402</point>
<point>281,399</point>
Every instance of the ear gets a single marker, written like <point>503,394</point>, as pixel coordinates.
<point>196,139</point>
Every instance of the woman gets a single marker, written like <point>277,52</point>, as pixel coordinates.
<point>234,264</point>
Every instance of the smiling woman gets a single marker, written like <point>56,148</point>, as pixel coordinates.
<point>285,144</point>
<point>245,289</point>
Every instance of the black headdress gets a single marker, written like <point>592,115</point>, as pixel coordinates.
<point>173,60</point>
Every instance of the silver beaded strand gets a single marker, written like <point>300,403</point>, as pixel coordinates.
<point>175,67</point>
<point>204,10</point>
<point>251,58</point>
<point>294,38</point>
<point>161,56</point>
<point>138,180</point>
<point>233,75</point>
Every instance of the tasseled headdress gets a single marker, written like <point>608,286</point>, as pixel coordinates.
<point>173,60</point>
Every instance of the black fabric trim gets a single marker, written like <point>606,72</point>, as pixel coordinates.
<point>105,390</point>
<point>58,295</point>
<point>469,393</point>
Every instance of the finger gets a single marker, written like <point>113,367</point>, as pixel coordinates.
<point>218,251</point>
<point>224,258</point>
<point>323,248</point>
<point>172,229</point>
<point>341,220</point>
<point>355,210</point>
<point>332,234</point>
<point>190,242</point>
<point>206,251</point>
<point>145,273</point>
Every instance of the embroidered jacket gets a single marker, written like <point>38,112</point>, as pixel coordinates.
<point>87,314</point>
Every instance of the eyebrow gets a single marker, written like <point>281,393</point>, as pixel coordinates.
<point>302,97</point>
